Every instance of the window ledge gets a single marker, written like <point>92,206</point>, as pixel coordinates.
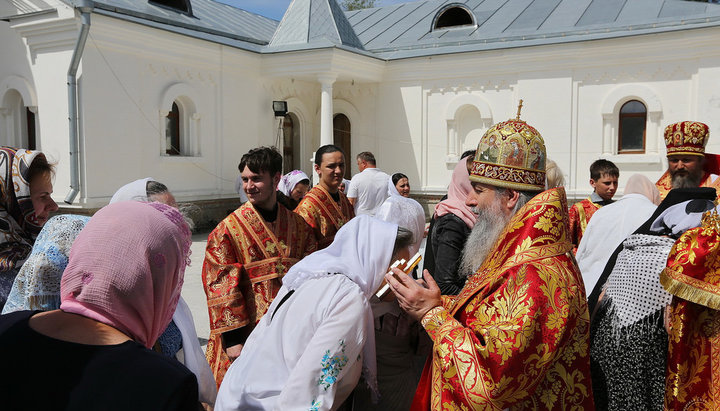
<point>179,159</point>
<point>652,158</point>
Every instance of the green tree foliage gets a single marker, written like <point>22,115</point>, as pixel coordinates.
<point>357,4</point>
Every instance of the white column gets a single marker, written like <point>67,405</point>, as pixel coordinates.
<point>326,108</point>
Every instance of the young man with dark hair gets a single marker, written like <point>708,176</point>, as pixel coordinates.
<point>247,255</point>
<point>324,207</point>
<point>604,176</point>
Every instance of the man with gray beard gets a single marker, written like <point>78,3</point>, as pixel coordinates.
<point>688,165</point>
<point>488,226</point>
<point>517,334</point>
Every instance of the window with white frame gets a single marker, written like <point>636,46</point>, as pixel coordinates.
<point>181,123</point>
<point>631,127</point>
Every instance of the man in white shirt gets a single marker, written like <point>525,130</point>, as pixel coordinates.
<point>368,189</point>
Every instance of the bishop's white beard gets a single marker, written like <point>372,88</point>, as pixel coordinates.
<point>488,226</point>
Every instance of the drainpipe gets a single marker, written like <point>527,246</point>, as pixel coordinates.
<point>85,7</point>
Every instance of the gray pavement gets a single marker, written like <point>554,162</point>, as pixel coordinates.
<point>192,291</point>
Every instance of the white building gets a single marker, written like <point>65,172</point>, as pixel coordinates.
<point>180,89</point>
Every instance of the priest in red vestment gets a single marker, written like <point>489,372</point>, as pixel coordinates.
<point>517,335</point>
<point>688,164</point>
<point>692,276</point>
<point>246,257</point>
<point>325,207</point>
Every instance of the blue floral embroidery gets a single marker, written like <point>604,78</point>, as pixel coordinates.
<point>331,366</point>
<point>315,406</point>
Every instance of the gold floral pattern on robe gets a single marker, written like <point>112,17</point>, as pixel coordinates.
<point>692,379</point>
<point>517,335</point>
<point>245,259</point>
<point>323,214</point>
<point>580,214</point>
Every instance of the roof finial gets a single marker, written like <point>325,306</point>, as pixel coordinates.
<point>519,108</point>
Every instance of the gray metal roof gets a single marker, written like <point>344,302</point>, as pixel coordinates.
<point>211,20</point>
<point>405,30</point>
<point>312,23</point>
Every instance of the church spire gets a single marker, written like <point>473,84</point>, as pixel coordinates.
<point>315,22</point>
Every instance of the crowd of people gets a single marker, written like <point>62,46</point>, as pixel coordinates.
<point>524,303</point>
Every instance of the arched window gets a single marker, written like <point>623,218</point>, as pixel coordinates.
<point>341,138</point>
<point>453,16</point>
<point>288,143</point>
<point>17,122</point>
<point>181,124</point>
<point>181,6</point>
<point>172,131</point>
<point>633,118</point>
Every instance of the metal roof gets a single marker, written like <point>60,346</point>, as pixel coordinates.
<point>210,20</point>
<point>405,30</point>
<point>307,23</point>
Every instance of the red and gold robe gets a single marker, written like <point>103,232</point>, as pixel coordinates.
<point>692,379</point>
<point>580,214</point>
<point>324,215</point>
<point>664,184</point>
<point>245,259</point>
<point>517,335</point>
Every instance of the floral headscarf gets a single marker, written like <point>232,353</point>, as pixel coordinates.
<point>18,225</point>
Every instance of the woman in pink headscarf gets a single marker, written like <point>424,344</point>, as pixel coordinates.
<point>453,223</point>
<point>118,293</point>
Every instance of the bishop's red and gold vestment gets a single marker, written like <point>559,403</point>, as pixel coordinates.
<point>517,335</point>
<point>325,215</point>
<point>692,379</point>
<point>664,184</point>
<point>580,214</point>
<point>245,259</point>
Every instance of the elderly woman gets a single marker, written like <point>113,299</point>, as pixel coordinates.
<point>25,205</point>
<point>179,340</point>
<point>317,337</point>
<point>118,294</point>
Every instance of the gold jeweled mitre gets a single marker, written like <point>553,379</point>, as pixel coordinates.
<point>511,154</point>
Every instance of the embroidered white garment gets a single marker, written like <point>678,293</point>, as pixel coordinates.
<point>309,353</point>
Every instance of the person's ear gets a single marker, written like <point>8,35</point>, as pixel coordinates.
<point>276,179</point>
<point>510,200</point>
<point>592,183</point>
<point>317,169</point>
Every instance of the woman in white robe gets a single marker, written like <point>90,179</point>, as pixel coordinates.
<point>317,337</point>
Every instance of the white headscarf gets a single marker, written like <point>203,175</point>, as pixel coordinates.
<point>290,180</point>
<point>134,191</point>
<point>405,212</point>
<point>361,251</point>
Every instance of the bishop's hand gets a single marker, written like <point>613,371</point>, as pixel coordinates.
<point>415,297</point>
